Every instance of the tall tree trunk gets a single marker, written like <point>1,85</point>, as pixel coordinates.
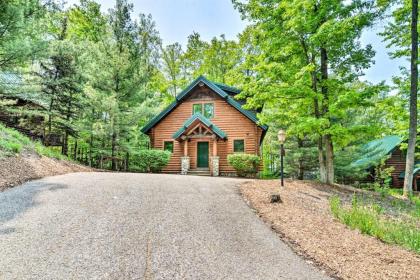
<point>113,147</point>
<point>329,159</point>
<point>300,161</point>
<point>127,161</point>
<point>90,149</point>
<point>46,137</point>
<point>412,135</point>
<point>64,148</point>
<point>321,154</point>
<point>321,160</point>
<point>75,150</point>
<point>329,151</point>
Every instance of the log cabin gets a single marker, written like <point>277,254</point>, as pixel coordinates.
<point>202,127</point>
<point>388,148</point>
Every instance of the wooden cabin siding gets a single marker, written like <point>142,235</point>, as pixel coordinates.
<point>397,161</point>
<point>226,117</point>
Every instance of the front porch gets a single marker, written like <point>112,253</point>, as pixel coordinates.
<point>200,154</point>
<point>199,139</point>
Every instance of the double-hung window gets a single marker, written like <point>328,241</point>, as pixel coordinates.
<point>238,146</point>
<point>168,146</point>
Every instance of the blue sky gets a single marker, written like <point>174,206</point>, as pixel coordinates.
<point>176,19</point>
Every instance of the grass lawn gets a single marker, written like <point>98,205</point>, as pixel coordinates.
<point>12,142</point>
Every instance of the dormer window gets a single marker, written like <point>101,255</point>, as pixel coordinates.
<point>197,108</point>
<point>209,110</point>
<point>206,109</point>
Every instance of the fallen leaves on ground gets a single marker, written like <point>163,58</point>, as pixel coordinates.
<point>305,222</point>
<point>19,169</point>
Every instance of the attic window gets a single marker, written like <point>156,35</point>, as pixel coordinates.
<point>207,109</point>
<point>197,108</point>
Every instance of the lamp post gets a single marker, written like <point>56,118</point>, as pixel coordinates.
<point>281,135</point>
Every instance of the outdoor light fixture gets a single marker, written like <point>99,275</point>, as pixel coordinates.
<point>281,135</point>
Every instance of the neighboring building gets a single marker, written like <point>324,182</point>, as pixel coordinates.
<point>24,106</point>
<point>203,126</point>
<point>388,147</point>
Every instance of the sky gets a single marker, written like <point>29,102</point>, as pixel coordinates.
<point>176,19</point>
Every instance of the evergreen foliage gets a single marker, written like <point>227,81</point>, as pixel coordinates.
<point>91,79</point>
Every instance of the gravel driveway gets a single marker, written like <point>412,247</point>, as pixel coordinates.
<point>138,226</point>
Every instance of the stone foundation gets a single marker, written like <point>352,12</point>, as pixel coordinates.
<point>215,166</point>
<point>185,165</point>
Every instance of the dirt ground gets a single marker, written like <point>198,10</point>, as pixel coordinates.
<point>305,222</point>
<point>19,169</point>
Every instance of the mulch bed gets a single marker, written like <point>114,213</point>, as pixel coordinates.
<point>19,169</point>
<point>305,222</point>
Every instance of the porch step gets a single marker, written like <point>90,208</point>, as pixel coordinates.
<point>199,172</point>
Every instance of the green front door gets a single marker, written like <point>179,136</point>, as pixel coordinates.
<point>202,154</point>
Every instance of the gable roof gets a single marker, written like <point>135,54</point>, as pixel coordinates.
<point>14,86</point>
<point>205,121</point>
<point>228,89</point>
<point>223,94</point>
<point>377,149</point>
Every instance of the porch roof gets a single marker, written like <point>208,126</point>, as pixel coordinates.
<point>197,116</point>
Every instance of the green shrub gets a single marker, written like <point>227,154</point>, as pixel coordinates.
<point>244,164</point>
<point>11,141</point>
<point>368,219</point>
<point>49,152</point>
<point>151,160</point>
<point>267,174</point>
<point>9,148</point>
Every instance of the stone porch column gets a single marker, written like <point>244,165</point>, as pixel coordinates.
<point>214,166</point>
<point>185,160</point>
<point>214,160</point>
<point>185,165</point>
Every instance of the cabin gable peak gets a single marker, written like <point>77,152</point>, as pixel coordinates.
<point>221,90</point>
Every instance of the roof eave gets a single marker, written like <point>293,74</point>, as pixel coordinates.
<point>212,86</point>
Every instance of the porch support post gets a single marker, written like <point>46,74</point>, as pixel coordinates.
<point>185,160</point>
<point>214,147</point>
<point>186,148</point>
<point>215,159</point>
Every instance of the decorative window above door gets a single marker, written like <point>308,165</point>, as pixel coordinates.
<point>206,109</point>
<point>197,108</point>
<point>209,110</point>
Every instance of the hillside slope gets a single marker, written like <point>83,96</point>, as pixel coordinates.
<point>22,160</point>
